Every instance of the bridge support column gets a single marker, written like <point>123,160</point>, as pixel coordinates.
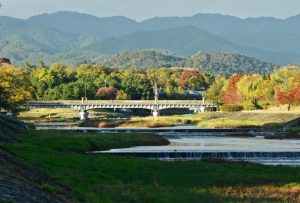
<point>200,110</point>
<point>84,115</point>
<point>155,113</point>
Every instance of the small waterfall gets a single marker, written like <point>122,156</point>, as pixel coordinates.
<point>289,158</point>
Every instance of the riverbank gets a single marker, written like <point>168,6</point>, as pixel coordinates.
<point>107,178</point>
<point>266,120</point>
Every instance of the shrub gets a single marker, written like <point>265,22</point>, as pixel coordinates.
<point>247,105</point>
<point>158,124</point>
<point>232,108</point>
<point>107,125</point>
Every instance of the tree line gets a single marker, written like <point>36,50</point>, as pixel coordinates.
<point>253,91</point>
<point>60,82</point>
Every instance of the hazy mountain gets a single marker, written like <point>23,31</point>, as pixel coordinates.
<point>265,33</point>
<point>22,40</point>
<point>74,22</point>
<point>184,40</point>
<point>269,39</point>
<point>4,20</point>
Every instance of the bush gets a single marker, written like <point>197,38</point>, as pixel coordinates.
<point>107,125</point>
<point>232,108</point>
<point>247,105</point>
<point>158,124</point>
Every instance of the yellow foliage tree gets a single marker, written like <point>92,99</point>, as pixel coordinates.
<point>15,85</point>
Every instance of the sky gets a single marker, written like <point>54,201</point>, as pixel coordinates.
<point>145,9</point>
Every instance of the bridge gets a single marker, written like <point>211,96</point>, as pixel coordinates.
<point>154,105</point>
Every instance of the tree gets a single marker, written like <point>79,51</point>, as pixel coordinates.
<point>215,92</point>
<point>251,88</point>
<point>186,76</point>
<point>137,87</point>
<point>15,87</point>
<point>231,95</point>
<point>87,74</point>
<point>285,83</point>
<point>107,93</point>
<point>289,91</point>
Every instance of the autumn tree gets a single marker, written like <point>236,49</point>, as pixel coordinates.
<point>15,87</point>
<point>231,95</point>
<point>250,87</point>
<point>289,91</point>
<point>191,79</point>
<point>286,82</point>
<point>107,93</point>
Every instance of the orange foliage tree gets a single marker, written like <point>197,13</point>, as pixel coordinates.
<point>231,95</point>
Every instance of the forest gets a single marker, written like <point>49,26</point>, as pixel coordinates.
<point>61,82</point>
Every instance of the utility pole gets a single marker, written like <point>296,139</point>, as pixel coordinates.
<point>155,89</point>
<point>155,109</point>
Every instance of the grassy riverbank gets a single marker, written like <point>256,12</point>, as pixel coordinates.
<point>106,178</point>
<point>228,119</point>
<point>272,118</point>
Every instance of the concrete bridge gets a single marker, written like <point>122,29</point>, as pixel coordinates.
<point>154,105</point>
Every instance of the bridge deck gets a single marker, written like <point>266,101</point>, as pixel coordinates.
<point>120,102</point>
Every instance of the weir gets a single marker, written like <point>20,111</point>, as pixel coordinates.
<point>250,149</point>
<point>275,158</point>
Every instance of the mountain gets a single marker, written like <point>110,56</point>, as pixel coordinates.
<point>25,41</point>
<point>215,63</point>
<point>183,40</point>
<point>186,40</point>
<point>74,22</point>
<point>143,59</point>
<point>47,35</point>
<point>270,34</point>
<point>227,64</point>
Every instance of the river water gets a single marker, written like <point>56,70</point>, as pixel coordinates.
<point>251,149</point>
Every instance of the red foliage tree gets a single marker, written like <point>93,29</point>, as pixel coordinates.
<point>288,97</point>
<point>186,75</point>
<point>231,95</point>
<point>107,93</point>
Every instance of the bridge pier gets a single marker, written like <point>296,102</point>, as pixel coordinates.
<point>200,110</point>
<point>155,113</point>
<point>84,115</point>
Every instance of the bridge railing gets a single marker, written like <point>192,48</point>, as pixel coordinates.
<point>116,102</point>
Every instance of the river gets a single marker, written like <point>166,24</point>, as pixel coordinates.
<point>251,149</point>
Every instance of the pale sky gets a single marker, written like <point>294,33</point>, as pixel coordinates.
<point>144,9</point>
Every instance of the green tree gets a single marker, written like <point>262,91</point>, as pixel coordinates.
<point>251,88</point>
<point>215,92</point>
<point>137,87</point>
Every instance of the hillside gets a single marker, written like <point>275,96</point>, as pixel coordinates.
<point>20,181</point>
<point>183,40</point>
<point>9,127</point>
<point>22,41</point>
<point>142,59</point>
<point>74,22</point>
<point>215,63</point>
<point>227,64</point>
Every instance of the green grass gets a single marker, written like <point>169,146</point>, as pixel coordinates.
<point>107,178</point>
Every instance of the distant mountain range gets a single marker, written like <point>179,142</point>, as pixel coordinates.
<point>75,38</point>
